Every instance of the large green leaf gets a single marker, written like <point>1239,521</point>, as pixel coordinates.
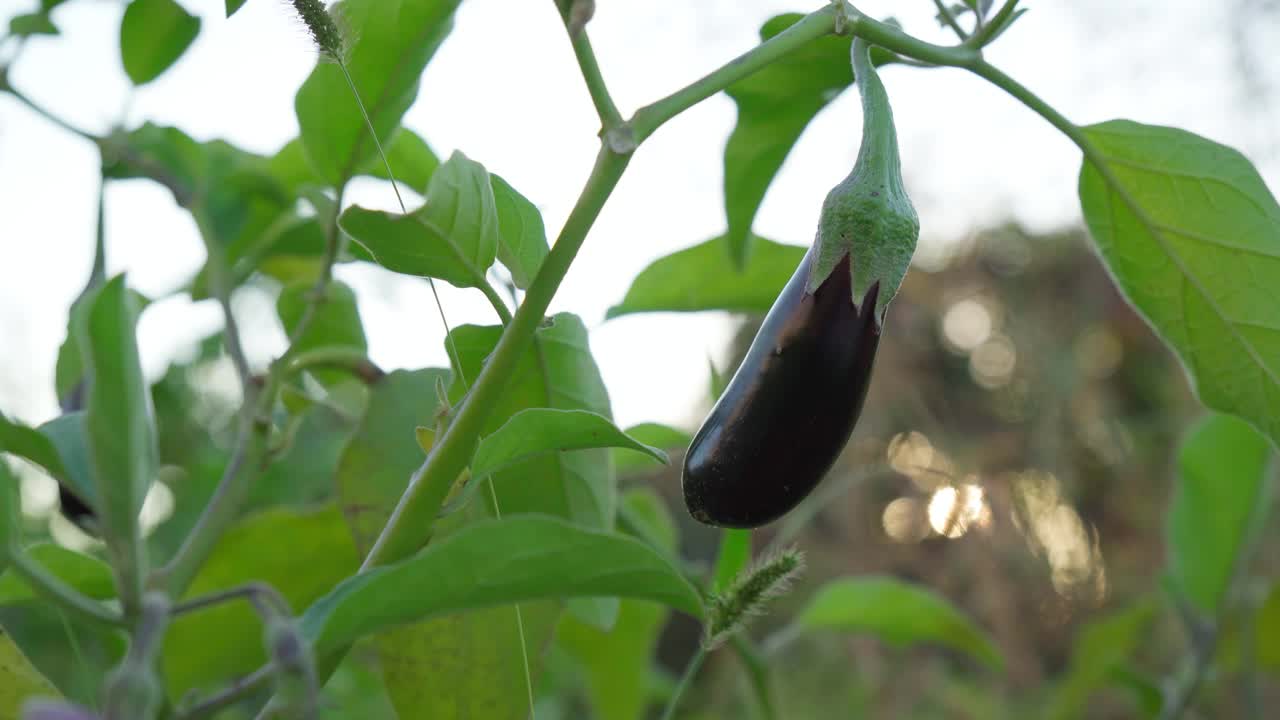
<point>87,574</point>
<point>558,372</point>
<point>447,667</point>
<point>1192,235</point>
<point>118,419</point>
<point>537,431</point>
<point>19,680</point>
<point>390,43</point>
<point>617,662</point>
<point>302,554</point>
<point>897,613</point>
<point>1221,500</point>
<point>453,236</point>
<point>153,35</point>
<point>774,107</point>
<point>522,244</point>
<point>496,562</point>
<point>411,159</point>
<point>375,465</point>
<point>702,277</point>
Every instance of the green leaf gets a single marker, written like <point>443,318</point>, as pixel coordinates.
<point>302,554</point>
<point>558,372</point>
<point>1221,499</point>
<point>87,574</point>
<point>1101,648</point>
<point>491,563</point>
<point>31,445</point>
<point>897,613</point>
<point>536,431</point>
<point>447,666</point>
<point>19,680</point>
<point>732,559</point>
<point>703,278</point>
<point>453,236</point>
<point>617,662</point>
<point>774,107</point>
<point>522,240</point>
<point>412,160</point>
<point>1192,236</point>
<point>118,419</point>
<point>233,6</point>
<point>153,35</point>
<point>390,43</point>
<point>336,322</point>
<point>28,24</point>
<point>654,435</point>
<point>648,519</point>
<point>1267,631</point>
<point>376,463</point>
<point>10,513</point>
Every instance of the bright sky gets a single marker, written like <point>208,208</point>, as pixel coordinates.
<point>505,90</point>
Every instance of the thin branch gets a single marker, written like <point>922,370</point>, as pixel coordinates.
<point>229,695</point>
<point>610,118</point>
<point>42,112</point>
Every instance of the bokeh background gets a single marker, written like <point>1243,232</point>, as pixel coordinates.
<point>1018,446</point>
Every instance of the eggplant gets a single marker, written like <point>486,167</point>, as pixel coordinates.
<point>791,406</point>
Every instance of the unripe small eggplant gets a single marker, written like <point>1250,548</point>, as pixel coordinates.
<point>789,409</point>
<point>793,403</point>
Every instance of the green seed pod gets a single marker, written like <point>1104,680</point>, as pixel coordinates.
<point>868,216</point>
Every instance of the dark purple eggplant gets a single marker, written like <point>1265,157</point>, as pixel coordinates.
<point>791,406</point>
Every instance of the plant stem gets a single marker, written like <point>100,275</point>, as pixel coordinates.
<point>257,593</point>
<point>652,116</point>
<point>987,32</point>
<point>610,118</point>
<point>686,680</point>
<point>332,248</point>
<point>230,694</point>
<point>491,294</point>
<point>37,109</point>
<point>350,359</point>
<point>59,593</point>
<point>411,522</point>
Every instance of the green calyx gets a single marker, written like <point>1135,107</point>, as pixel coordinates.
<point>868,216</point>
